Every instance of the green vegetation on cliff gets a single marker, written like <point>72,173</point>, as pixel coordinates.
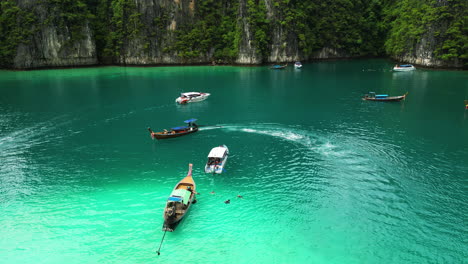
<point>445,22</point>
<point>212,29</point>
<point>116,22</point>
<point>16,26</point>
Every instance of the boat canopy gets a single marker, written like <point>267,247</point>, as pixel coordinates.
<point>190,120</point>
<point>175,199</point>
<point>190,94</point>
<point>180,195</point>
<point>180,128</point>
<point>217,152</point>
<point>381,95</point>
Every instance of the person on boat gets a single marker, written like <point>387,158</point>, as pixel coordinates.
<point>165,131</point>
<point>189,189</point>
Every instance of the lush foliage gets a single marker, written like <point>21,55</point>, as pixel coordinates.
<point>73,16</point>
<point>16,26</point>
<point>215,28</point>
<point>260,26</point>
<point>116,22</point>
<point>212,28</point>
<point>410,20</point>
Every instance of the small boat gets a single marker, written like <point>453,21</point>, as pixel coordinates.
<point>278,67</point>
<point>179,202</point>
<point>383,97</point>
<point>191,97</point>
<point>217,159</point>
<point>405,67</point>
<point>297,65</point>
<point>466,104</point>
<point>190,128</point>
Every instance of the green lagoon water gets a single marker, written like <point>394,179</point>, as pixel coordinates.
<point>325,177</point>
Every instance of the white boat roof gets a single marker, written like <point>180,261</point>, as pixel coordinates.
<point>217,152</point>
<point>191,93</point>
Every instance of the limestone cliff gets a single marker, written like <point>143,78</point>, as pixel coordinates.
<point>51,44</point>
<point>424,51</point>
<point>68,33</point>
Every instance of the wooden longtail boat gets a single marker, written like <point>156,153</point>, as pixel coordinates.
<point>383,97</point>
<point>278,67</point>
<point>176,131</point>
<point>179,202</point>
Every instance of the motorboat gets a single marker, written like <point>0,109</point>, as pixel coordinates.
<point>190,128</point>
<point>371,96</point>
<point>297,65</point>
<point>179,202</point>
<point>217,159</point>
<point>405,67</point>
<point>191,97</point>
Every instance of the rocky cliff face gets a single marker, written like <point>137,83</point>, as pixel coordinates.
<point>423,53</point>
<point>51,45</point>
<point>248,54</point>
<point>148,47</point>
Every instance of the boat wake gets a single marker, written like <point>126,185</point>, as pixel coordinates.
<point>210,127</point>
<point>36,134</point>
<point>344,149</point>
<point>298,136</point>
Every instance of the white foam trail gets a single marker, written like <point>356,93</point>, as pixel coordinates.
<point>307,139</point>
<point>211,127</point>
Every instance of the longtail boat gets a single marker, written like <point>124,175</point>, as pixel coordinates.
<point>190,128</point>
<point>179,202</point>
<point>371,96</point>
<point>278,67</point>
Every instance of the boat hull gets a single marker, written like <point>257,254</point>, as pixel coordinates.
<point>218,167</point>
<point>404,69</point>
<point>200,98</point>
<point>387,99</point>
<point>166,135</point>
<point>174,212</point>
<point>277,67</point>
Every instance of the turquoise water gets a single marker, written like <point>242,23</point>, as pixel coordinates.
<point>325,177</point>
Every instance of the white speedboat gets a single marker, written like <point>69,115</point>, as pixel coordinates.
<point>191,97</point>
<point>297,65</point>
<point>406,67</point>
<point>217,159</point>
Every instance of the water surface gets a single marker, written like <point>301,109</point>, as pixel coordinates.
<point>325,177</point>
